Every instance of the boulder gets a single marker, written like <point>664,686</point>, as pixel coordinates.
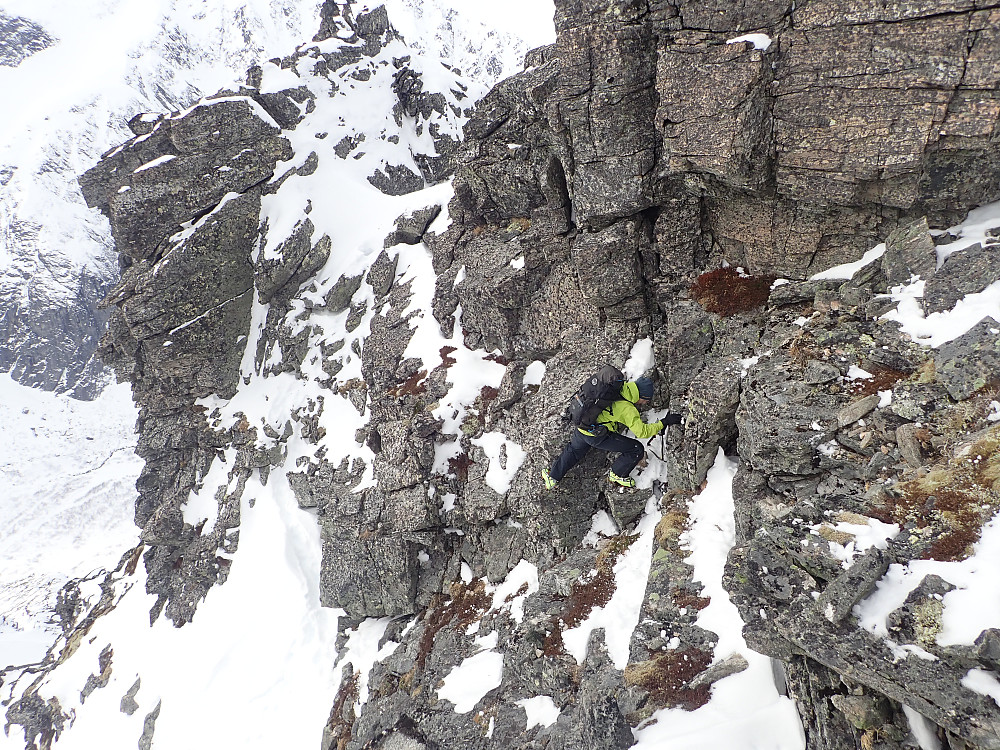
<point>971,361</point>
<point>966,272</point>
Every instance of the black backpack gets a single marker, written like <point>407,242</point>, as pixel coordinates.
<point>595,395</point>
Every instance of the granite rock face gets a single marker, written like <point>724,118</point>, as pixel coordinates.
<point>647,178</point>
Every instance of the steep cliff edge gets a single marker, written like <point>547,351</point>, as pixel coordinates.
<point>652,191</point>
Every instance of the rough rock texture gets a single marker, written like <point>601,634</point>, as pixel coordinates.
<point>640,179</point>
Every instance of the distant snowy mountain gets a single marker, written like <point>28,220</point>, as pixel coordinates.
<point>67,475</point>
<point>438,29</point>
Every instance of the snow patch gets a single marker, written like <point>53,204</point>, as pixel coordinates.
<point>759,41</point>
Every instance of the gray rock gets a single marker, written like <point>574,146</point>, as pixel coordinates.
<point>149,727</point>
<point>776,412</point>
<point>857,410</point>
<point>155,183</point>
<point>375,575</point>
<point>340,295</point>
<point>817,373</point>
<point>732,664</point>
<point>917,402</point>
<point>966,272</point>
<point>918,620</point>
<point>608,263</point>
<point>128,704</point>
<point>971,361</point>
<point>910,251</point>
<point>927,686</point>
<point>382,274</point>
<point>397,179</point>
<point>987,648</point>
<point>909,444</point>
<point>863,711</point>
<point>710,421</point>
<point>800,291</point>
<point>627,507</point>
<point>410,228</point>
<point>398,741</point>
<point>840,595</point>
<point>296,260</point>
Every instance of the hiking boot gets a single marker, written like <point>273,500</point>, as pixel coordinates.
<point>622,481</point>
<point>550,483</point>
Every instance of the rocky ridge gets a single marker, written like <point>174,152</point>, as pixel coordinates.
<point>58,260</point>
<point>646,178</point>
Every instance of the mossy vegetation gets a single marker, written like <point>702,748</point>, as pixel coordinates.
<point>727,291</point>
<point>666,676</point>
<point>588,592</point>
<point>466,604</point>
<point>950,502</point>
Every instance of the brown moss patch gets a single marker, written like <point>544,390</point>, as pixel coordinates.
<point>666,676</point>
<point>414,385</point>
<point>687,600</point>
<point>883,379</point>
<point>725,291</point>
<point>952,501</point>
<point>466,604</point>
<point>351,385</point>
<point>459,466</point>
<point>520,225</point>
<point>342,714</point>
<point>588,592</point>
<point>668,531</point>
<point>486,398</point>
<point>446,359</point>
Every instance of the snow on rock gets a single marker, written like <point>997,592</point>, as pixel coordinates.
<point>759,41</point>
<point>505,458</point>
<point>519,584</point>
<point>470,681</point>
<point>541,711</point>
<point>270,677</point>
<point>745,709</point>
<point>619,616</point>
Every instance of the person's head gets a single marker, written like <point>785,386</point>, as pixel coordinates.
<point>645,387</point>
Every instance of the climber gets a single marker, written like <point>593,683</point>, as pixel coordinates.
<point>621,413</point>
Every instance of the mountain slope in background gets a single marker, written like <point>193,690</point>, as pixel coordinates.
<point>67,475</point>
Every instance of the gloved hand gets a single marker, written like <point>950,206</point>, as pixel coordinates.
<point>670,419</point>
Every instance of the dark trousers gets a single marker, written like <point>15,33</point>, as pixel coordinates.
<point>579,445</point>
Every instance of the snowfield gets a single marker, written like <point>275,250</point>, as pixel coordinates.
<point>67,491</point>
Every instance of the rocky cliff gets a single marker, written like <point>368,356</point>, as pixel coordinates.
<point>100,67</point>
<point>673,178</point>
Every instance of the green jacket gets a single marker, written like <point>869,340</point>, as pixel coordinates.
<point>623,413</point>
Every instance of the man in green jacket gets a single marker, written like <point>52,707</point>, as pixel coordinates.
<point>622,413</point>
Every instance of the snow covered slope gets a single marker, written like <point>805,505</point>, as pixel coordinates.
<point>278,672</point>
<point>67,475</point>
